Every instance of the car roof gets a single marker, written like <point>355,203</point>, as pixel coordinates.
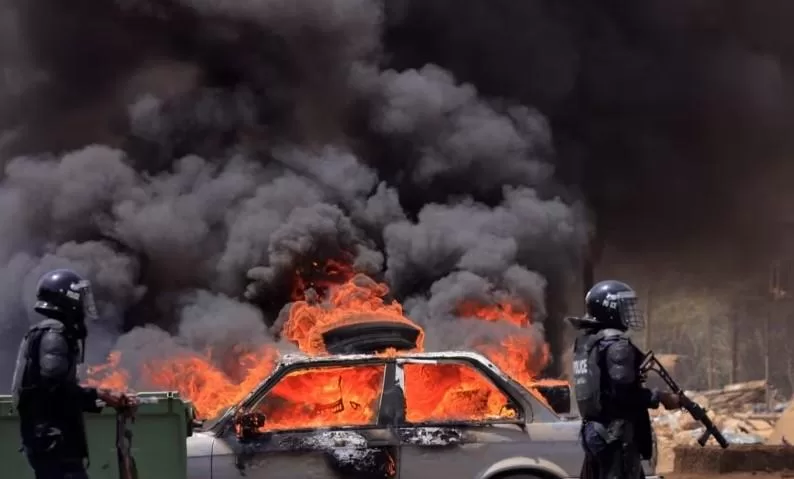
<point>301,359</point>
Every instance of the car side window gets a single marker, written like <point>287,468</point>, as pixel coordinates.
<point>453,391</point>
<point>333,396</point>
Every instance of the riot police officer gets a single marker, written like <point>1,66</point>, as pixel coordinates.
<point>612,400</point>
<point>46,391</point>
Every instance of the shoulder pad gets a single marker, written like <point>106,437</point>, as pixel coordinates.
<point>624,338</point>
<point>608,334</point>
<point>49,325</point>
<point>52,339</point>
<point>612,333</point>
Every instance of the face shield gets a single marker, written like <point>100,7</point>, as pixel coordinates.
<point>89,309</point>
<point>90,312</point>
<point>628,307</point>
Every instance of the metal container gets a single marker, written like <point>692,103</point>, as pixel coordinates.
<point>162,424</point>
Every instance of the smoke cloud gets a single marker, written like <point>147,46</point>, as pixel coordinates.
<point>190,156</point>
<point>669,116</point>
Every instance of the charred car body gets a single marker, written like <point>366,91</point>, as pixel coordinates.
<point>412,416</point>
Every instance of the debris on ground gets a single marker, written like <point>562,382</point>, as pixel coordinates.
<point>733,409</point>
<point>740,396</point>
<point>738,410</point>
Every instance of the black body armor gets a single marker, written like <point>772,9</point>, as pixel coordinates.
<point>27,378</point>
<point>613,402</point>
<point>51,406</point>
<point>587,376</point>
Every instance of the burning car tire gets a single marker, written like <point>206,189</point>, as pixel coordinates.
<point>371,336</point>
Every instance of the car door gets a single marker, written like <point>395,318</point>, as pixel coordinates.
<point>318,422</point>
<point>460,423</point>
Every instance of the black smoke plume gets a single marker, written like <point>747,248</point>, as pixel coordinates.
<point>189,156</point>
<point>672,117</point>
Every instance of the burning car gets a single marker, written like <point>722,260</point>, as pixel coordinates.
<point>410,415</point>
<point>364,399</point>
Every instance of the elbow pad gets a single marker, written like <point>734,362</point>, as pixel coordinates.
<point>621,365</point>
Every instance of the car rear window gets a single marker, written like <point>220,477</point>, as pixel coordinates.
<point>450,392</point>
<point>324,397</point>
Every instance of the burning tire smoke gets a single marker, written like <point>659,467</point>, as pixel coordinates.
<point>205,164</point>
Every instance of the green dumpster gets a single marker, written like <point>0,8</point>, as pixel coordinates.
<point>162,424</point>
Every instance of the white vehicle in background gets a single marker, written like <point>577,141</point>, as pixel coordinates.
<point>379,421</point>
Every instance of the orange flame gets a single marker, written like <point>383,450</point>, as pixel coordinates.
<point>210,390</point>
<point>327,396</point>
<point>496,312</point>
<point>324,396</point>
<point>516,355</point>
<point>109,375</point>
<point>359,300</point>
<point>443,392</point>
<point>196,378</point>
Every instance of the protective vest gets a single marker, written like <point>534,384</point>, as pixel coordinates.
<point>48,427</point>
<point>27,374</point>
<point>587,372</point>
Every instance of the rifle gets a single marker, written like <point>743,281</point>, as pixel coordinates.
<point>650,363</point>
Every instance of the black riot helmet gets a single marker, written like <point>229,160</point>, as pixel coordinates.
<point>65,296</point>
<point>613,304</point>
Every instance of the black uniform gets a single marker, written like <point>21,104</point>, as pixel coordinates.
<point>46,391</point>
<point>616,427</point>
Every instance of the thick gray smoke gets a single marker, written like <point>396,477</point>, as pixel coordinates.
<point>190,156</point>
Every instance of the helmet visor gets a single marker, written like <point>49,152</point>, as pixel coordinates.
<point>90,313</point>
<point>631,315</point>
